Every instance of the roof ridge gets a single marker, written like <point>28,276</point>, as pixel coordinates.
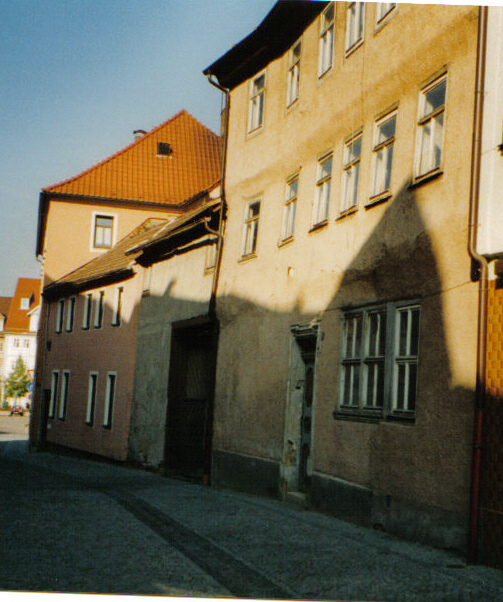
<point>123,150</point>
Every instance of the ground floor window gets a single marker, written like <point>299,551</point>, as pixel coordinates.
<point>379,360</point>
<point>109,400</point>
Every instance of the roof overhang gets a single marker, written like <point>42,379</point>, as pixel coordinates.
<point>273,37</point>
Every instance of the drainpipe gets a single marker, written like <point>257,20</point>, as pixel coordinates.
<point>223,205</point>
<point>483,270</point>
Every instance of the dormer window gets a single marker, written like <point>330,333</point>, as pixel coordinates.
<point>25,302</point>
<point>164,149</point>
<point>103,231</point>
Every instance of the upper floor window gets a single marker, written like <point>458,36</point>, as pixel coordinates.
<point>355,16</point>
<point>63,398</point>
<point>322,194</point>
<point>103,231</point>
<point>91,397</point>
<point>88,307</point>
<point>382,154</point>
<point>293,85</point>
<point>257,102</point>
<point>54,393</point>
<point>379,360</point>
<point>118,307</point>
<point>384,11</point>
<point>292,187</point>
<point>326,43</point>
<point>26,343</point>
<point>251,228</point>
<point>59,315</point>
<point>25,303</point>
<point>98,310</point>
<point>70,314</point>
<point>109,400</point>
<point>431,127</point>
<point>16,343</point>
<point>351,172</point>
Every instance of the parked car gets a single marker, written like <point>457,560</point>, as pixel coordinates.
<point>16,411</point>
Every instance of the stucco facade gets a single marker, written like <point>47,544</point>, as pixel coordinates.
<point>291,298</point>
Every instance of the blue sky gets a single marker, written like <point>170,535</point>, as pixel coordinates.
<point>78,76</point>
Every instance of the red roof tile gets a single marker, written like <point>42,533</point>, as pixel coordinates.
<point>5,305</point>
<point>138,173</point>
<point>18,319</point>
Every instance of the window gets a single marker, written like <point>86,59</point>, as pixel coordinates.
<point>109,400</point>
<point>98,310</point>
<point>63,398</point>
<point>59,316</point>
<point>70,314</point>
<point>384,10</point>
<point>289,209</point>
<point>293,84</point>
<point>355,16</point>
<point>251,228</point>
<point>118,307</point>
<point>257,100</point>
<point>25,303</point>
<point>382,157</point>
<point>26,343</point>
<point>54,393</point>
<point>431,127</point>
<point>211,255</point>
<point>326,43</point>
<point>351,172</point>
<point>322,194</point>
<point>379,360</point>
<point>103,231</point>
<point>88,306</point>
<point>164,149</point>
<point>16,343</point>
<point>146,280</point>
<point>91,397</point>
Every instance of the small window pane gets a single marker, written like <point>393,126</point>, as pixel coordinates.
<point>435,98</point>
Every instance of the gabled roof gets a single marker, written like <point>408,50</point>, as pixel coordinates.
<point>5,306</point>
<point>139,174</point>
<point>284,23</point>
<point>18,319</point>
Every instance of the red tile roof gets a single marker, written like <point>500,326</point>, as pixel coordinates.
<point>5,305</point>
<point>18,319</point>
<point>138,173</point>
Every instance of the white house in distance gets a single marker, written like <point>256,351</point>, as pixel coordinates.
<point>20,329</point>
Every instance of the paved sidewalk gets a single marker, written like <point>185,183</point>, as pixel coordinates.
<point>229,544</point>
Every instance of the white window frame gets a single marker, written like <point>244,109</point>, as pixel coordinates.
<point>16,343</point>
<point>26,343</point>
<point>433,122</point>
<point>250,228</point>
<point>88,310</point>
<point>54,394</point>
<point>293,76</point>
<point>384,12</point>
<point>70,314</point>
<point>117,317</point>
<point>99,309</point>
<point>351,171</point>
<point>146,280</point>
<point>355,25</point>
<point>95,216</point>
<point>290,208</point>
<point>92,391</point>
<point>326,40</point>
<point>59,316</point>
<point>25,303</point>
<point>63,395</point>
<point>109,399</point>
<point>378,367</point>
<point>321,205</point>
<point>256,101</point>
<point>382,157</point>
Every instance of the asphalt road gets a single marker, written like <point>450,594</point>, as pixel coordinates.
<point>81,526</point>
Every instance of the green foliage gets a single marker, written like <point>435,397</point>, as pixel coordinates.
<point>18,381</point>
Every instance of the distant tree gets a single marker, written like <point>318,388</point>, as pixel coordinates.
<point>18,381</point>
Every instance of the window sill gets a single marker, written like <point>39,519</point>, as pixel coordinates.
<point>425,178</point>
<point>353,48</point>
<point>373,417</point>
<point>319,226</point>
<point>378,199</point>
<point>384,21</point>
<point>347,213</point>
<point>324,75</point>
<point>292,105</point>
<point>246,258</point>
<point>251,134</point>
<point>284,242</point>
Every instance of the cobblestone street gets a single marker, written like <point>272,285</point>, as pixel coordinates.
<point>77,525</point>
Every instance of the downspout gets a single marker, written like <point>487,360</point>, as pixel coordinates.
<point>216,274</point>
<point>482,265</point>
<point>219,233</point>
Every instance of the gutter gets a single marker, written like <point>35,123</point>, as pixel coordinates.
<point>483,271</point>
<point>219,233</point>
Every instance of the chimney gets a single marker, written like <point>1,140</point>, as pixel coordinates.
<point>138,134</point>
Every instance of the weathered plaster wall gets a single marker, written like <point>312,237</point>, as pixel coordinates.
<point>411,247</point>
<point>179,290</point>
